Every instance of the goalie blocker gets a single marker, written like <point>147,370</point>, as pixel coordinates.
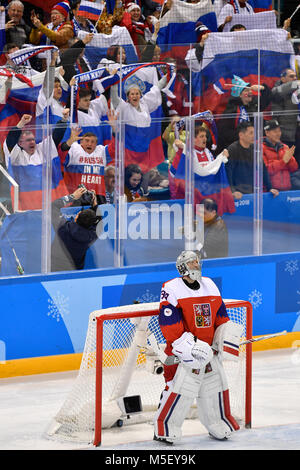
<point>194,303</point>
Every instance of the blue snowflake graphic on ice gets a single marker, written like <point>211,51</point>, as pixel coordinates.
<point>148,297</point>
<point>255,297</point>
<point>58,306</point>
<point>291,266</point>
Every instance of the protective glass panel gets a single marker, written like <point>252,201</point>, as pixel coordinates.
<point>180,111</point>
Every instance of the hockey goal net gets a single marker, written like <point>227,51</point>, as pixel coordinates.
<point>120,380</point>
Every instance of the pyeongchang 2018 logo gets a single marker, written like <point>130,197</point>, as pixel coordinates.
<point>202,315</point>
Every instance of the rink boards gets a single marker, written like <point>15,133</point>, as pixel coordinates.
<point>44,319</point>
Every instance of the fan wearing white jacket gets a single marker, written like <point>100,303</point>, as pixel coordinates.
<point>204,162</point>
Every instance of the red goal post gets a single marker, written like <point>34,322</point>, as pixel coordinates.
<point>118,381</point>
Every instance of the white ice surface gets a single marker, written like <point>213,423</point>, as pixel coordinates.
<point>28,404</point>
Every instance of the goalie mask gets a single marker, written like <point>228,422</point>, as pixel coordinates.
<point>182,265</point>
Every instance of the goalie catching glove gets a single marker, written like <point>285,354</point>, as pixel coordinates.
<point>195,354</point>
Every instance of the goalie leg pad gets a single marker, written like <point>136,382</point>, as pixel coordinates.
<point>175,403</point>
<point>172,412</point>
<point>213,403</point>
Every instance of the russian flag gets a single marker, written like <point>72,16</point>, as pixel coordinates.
<point>35,101</point>
<point>30,176</point>
<point>97,48</point>
<point>24,90</point>
<point>133,69</point>
<point>261,5</point>
<point>143,142</point>
<point>26,94</point>
<point>256,56</point>
<point>219,86</point>
<point>261,20</point>
<point>8,118</point>
<point>90,10</point>
<point>26,100</point>
<point>177,27</point>
<point>21,99</point>
<point>214,186</point>
<point>143,145</point>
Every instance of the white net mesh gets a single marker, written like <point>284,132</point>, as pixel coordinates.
<point>127,370</point>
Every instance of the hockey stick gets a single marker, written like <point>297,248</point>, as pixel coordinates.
<point>170,360</point>
<point>253,340</point>
<point>162,356</point>
<point>18,263</point>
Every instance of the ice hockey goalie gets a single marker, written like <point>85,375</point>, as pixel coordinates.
<point>199,334</point>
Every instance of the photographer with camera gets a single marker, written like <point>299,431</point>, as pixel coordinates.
<point>73,237</point>
<point>83,160</point>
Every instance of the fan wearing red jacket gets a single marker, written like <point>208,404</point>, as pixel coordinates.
<point>199,336</point>
<point>278,157</point>
<point>139,28</point>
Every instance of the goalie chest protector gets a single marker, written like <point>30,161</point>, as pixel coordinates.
<point>199,311</point>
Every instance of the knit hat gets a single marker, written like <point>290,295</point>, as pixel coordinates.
<point>240,85</point>
<point>132,6</point>
<point>270,125</point>
<point>63,8</point>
